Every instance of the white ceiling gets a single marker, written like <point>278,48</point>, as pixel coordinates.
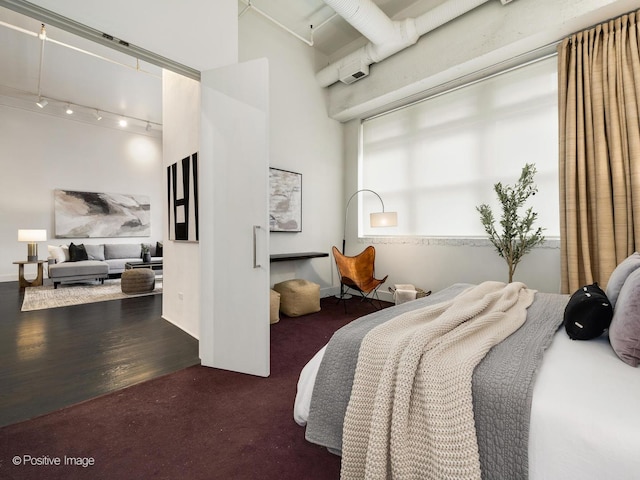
<point>110,81</point>
<point>332,35</point>
<point>88,76</point>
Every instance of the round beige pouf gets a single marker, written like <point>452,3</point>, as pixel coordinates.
<point>298,297</point>
<point>138,280</point>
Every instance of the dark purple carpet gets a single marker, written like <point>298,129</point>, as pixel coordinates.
<point>199,423</point>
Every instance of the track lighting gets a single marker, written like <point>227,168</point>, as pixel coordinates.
<point>42,102</point>
<point>122,122</point>
<point>68,109</point>
<point>148,127</point>
<point>97,115</point>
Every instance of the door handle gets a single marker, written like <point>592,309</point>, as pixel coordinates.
<point>255,246</point>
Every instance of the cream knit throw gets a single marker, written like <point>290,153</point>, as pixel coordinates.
<point>410,415</point>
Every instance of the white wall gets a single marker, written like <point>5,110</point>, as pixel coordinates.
<point>41,153</point>
<point>181,265</point>
<point>302,139</point>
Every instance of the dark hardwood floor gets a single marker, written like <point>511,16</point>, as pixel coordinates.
<point>57,357</point>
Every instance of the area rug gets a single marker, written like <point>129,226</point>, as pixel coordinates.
<point>38,298</point>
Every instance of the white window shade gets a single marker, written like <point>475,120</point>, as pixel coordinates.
<point>434,161</point>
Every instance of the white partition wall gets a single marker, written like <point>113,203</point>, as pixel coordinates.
<point>234,246</point>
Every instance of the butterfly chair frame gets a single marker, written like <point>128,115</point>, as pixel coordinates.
<point>358,273</point>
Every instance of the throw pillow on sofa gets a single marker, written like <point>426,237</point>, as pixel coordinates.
<point>77,253</point>
<point>56,253</point>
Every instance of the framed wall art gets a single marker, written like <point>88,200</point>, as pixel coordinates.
<point>285,201</point>
<point>182,193</point>
<point>101,215</point>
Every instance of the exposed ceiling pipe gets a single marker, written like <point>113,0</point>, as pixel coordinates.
<point>385,36</point>
<point>250,6</point>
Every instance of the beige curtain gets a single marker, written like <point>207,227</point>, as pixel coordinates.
<point>599,100</point>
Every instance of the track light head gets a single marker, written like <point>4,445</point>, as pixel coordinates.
<point>148,127</point>
<point>68,109</point>
<point>42,102</point>
<point>122,122</point>
<point>97,115</point>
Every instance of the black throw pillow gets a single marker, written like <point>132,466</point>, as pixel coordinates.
<point>77,253</point>
<point>158,249</point>
<point>588,313</point>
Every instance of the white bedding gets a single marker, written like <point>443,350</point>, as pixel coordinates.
<point>585,412</point>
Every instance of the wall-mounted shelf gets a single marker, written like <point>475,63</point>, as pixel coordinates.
<point>283,257</point>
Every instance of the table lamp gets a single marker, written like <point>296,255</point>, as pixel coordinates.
<point>31,237</point>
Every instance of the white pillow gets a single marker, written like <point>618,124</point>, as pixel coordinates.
<point>57,253</point>
<point>67,255</point>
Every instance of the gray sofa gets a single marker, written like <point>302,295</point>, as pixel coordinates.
<point>102,261</point>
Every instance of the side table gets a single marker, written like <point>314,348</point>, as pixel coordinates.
<point>36,282</point>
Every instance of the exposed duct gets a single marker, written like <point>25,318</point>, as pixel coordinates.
<point>385,36</point>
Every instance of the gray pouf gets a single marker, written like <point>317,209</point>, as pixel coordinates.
<point>138,280</point>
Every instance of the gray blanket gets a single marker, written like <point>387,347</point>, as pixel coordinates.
<point>502,383</point>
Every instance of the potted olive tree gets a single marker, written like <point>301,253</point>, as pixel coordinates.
<point>518,236</point>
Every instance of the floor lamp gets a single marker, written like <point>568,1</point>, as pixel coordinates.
<point>376,219</point>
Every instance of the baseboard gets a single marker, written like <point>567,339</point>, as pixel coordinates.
<point>8,278</point>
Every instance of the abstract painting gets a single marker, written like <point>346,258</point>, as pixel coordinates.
<point>285,201</point>
<point>182,194</point>
<point>101,215</point>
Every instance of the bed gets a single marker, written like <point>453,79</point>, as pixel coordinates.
<point>545,407</point>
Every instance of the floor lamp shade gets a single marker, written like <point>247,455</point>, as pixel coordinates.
<point>377,219</point>
<point>31,237</point>
<point>383,219</point>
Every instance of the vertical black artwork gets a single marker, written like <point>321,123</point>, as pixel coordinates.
<point>182,194</point>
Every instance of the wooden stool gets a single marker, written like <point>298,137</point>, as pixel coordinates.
<point>298,297</point>
<point>138,280</point>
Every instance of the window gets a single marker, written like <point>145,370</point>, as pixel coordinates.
<point>434,161</point>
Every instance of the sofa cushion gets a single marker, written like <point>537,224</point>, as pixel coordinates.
<point>122,250</point>
<point>95,252</point>
<point>116,265</point>
<point>73,269</point>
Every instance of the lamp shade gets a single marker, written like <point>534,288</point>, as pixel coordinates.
<point>32,235</point>
<point>383,219</point>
